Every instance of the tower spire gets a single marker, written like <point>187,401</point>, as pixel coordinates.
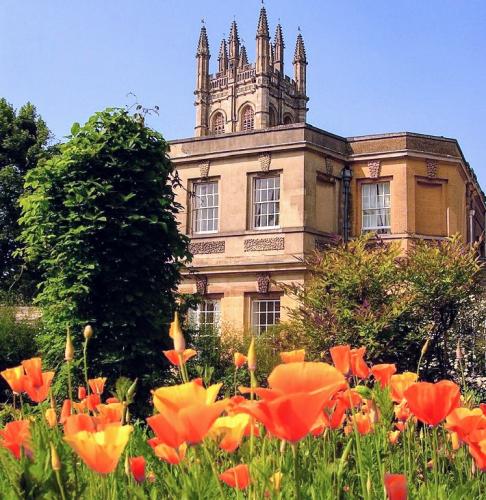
<point>234,45</point>
<point>203,44</point>
<point>243,61</point>
<point>278,60</point>
<point>223,56</point>
<point>299,54</point>
<point>262,29</point>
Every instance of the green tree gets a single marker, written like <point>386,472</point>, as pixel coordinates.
<point>24,140</point>
<point>100,219</point>
<point>368,293</point>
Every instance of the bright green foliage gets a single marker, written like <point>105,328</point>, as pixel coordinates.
<point>99,217</point>
<point>366,293</point>
<point>23,143</point>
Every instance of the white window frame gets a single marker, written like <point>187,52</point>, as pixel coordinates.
<point>256,202</point>
<point>376,204</point>
<point>198,316</point>
<point>197,208</point>
<point>271,305</point>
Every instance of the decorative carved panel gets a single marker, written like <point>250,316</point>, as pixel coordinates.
<point>206,247</point>
<point>374,166</point>
<point>265,160</point>
<point>329,166</point>
<point>201,285</point>
<point>204,168</point>
<point>431,168</point>
<point>262,244</point>
<point>263,283</point>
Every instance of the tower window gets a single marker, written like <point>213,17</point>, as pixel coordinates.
<point>248,119</point>
<point>218,124</point>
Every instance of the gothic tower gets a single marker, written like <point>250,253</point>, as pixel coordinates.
<point>242,96</point>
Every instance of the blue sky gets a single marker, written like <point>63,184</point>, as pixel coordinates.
<point>374,66</point>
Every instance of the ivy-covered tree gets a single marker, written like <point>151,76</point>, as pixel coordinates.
<point>24,140</point>
<point>100,218</point>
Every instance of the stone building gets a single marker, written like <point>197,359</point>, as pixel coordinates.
<point>262,188</point>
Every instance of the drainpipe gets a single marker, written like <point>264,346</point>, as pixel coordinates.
<point>346,176</point>
<point>472,213</point>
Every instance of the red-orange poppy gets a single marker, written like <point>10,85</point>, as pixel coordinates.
<point>362,422</point>
<point>15,378</point>
<point>237,477</point>
<point>38,393</point>
<point>464,421</point>
<point>359,368</point>
<point>341,357</point>
<point>402,411</point>
<point>292,356</point>
<point>170,455</point>
<point>137,468</point>
<point>477,448</point>
<point>239,359</point>
<point>81,392</point>
<point>79,422</point>
<point>108,414</point>
<point>482,406</point>
<point>97,385</point>
<point>400,383</point>
<point>66,411</point>
<point>33,369</point>
<point>100,451</point>
<point>15,437</point>
<point>396,486</point>
<point>431,403</point>
<point>173,356</point>
<point>187,411</point>
<point>383,373</point>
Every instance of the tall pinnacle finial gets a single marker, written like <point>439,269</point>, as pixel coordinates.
<point>203,44</point>
<point>299,54</point>
<point>223,56</point>
<point>234,45</point>
<point>262,30</point>
<point>243,61</point>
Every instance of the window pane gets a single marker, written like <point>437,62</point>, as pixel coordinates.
<point>206,315</point>
<point>376,207</point>
<point>265,313</point>
<point>205,207</point>
<point>266,202</point>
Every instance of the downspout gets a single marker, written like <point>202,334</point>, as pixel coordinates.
<point>346,176</point>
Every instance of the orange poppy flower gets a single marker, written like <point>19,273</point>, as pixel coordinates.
<point>171,455</point>
<point>15,437</point>
<point>383,373</point>
<point>482,406</point>
<point>33,369</point>
<point>464,421</point>
<point>137,468</point>
<point>400,383</point>
<point>359,368</point>
<point>187,411</point>
<point>477,448</point>
<point>341,357</point>
<point>396,486</point>
<point>79,422</point>
<point>15,378</point>
<point>363,423</point>
<point>291,356</point>
<point>173,356</point>
<point>231,429</point>
<point>66,411</point>
<point>402,411</point>
<point>97,385</point>
<point>89,403</point>
<point>108,414</point>
<point>237,477</point>
<point>100,451</point>
<point>239,359</point>
<point>431,403</point>
<point>81,392</point>
<point>38,393</point>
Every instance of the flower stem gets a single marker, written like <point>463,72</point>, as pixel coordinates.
<point>295,453</point>
<point>85,362</point>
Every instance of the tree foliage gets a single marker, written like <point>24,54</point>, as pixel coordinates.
<point>99,217</point>
<point>24,138</point>
<point>367,293</point>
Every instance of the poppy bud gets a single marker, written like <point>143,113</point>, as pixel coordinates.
<point>177,336</point>
<point>88,332</point>
<point>81,392</point>
<point>51,417</point>
<point>425,347</point>
<point>69,351</point>
<point>131,391</point>
<point>55,461</point>
<point>251,356</point>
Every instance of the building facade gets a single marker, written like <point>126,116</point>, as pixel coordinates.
<point>261,188</point>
